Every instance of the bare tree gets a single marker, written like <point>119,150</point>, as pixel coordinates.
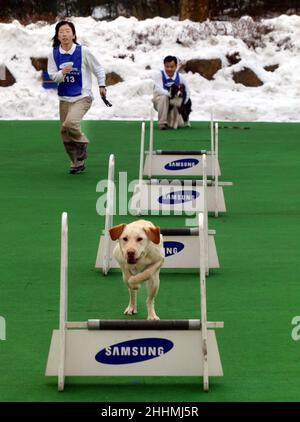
<point>195,10</point>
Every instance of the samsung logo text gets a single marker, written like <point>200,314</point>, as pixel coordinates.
<point>133,351</point>
<point>178,197</point>
<point>182,164</point>
<point>172,248</point>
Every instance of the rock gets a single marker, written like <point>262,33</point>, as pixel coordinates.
<point>247,77</point>
<point>6,78</point>
<point>39,63</point>
<point>124,56</point>
<point>148,67</point>
<point>271,68</point>
<point>206,68</point>
<point>113,78</point>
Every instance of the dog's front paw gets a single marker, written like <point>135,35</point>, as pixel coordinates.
<point>130,310</point>
<point>153,317</point>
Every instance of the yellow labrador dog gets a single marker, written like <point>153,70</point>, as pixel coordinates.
<point>140,254</point>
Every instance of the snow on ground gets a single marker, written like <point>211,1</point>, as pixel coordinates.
<point>150,41</point>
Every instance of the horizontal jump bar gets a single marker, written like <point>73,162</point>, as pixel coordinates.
<point>177,182</point>
<point>180,152</point>
<point>96,324</point>
<point>194,231</point>
<point>182,231</point>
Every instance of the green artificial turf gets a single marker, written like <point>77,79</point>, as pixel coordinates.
<point>256,292</point>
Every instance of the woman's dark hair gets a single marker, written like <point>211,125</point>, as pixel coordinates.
<point>55,39</point>
<point>169,59</point>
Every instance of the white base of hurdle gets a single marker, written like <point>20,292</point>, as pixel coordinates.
<point>133,348</point>
<point>179,165</point>
<point>184,359</point>
<point>155,197</point>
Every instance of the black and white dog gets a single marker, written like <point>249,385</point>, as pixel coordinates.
<point>179,111</point>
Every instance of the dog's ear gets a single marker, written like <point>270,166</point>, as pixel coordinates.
<point>174,90</point>
<point>116,231</point>
<point>153,234</point>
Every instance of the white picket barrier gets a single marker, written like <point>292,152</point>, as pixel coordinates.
<point>179,162</point>
<point>133,348</point>
<point>181,244</point>
<point>165,196</point>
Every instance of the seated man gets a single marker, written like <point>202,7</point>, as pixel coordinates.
<point>171,97</point>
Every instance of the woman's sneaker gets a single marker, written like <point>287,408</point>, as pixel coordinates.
<point>77,170</point>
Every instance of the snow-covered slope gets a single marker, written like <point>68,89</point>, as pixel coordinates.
<point>149,41</point>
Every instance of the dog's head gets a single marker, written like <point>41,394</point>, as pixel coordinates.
<point>177,90</point>
<point>134,239</point>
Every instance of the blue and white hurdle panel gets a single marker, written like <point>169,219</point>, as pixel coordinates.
<point>133,348</point>
<point>175,195</point>
<point>173,163</point>
<point>181,244</point>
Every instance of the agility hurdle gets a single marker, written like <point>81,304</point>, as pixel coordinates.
<point>133,348</point>
<point>165,196</point>
<point>180,162</point>
<point>181,244</point>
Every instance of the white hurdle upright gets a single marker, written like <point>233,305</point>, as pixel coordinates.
<point>171,195</point>
<point>173,163</point>
<point>181,244</point>
<point>63,310</point>
<point>109,213</point>
<point>133,348</point>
